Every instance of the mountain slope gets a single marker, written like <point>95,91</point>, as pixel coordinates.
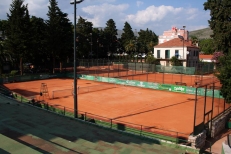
<point>201,33</point>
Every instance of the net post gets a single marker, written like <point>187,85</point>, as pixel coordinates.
<point>64,110</point>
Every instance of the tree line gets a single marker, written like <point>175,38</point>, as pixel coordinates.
<point>48,43</point>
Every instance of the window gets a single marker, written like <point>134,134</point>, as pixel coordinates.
<point>158,53</point>
<point>176,53</point>
<point>167,54</point>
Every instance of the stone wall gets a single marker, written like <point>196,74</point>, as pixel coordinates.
<point>198,141</point>
<point>218,124</point>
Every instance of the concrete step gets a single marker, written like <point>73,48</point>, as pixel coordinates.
<point>156,147</point>
<point>19,148</point>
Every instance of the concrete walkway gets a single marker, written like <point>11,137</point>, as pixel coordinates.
<point>217,142</point>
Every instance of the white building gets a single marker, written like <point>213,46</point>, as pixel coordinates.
<point>183,50</point>
<point>173,33</point>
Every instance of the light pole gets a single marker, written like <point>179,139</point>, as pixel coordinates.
<point>91,44</point>
<point>97,48</point>
<point>183,40</point>
<point>75,80</point>
<point>108,55</point>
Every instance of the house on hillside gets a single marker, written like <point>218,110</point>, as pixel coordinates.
<point>182,49</point>
<point>206,58</point>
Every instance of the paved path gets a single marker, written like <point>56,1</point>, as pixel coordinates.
<point>217,142</point>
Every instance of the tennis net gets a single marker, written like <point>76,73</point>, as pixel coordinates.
<point>62,93</point>
<point>82,90</point>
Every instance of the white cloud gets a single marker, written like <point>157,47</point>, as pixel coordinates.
<point>100,14</point>
<point>156,18</point>
<point>192,13</point>
<point>139,3</point>
<point>153,14</point>
<point>38,7</point>
<point>4,8</point>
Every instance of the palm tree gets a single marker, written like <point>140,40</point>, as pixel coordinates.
<point>150,46</point>
<point>131,47</point>
<point>194,40</point>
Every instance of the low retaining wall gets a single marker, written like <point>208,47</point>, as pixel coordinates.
<point>218,124</point>
<point>198,141</point>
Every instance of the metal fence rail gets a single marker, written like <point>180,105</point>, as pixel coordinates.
<point>141,130</point>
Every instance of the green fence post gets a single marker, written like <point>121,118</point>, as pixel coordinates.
<point>135,68</point>
<point>47,106</point>
<point>142,66</point>
<point>118,70</point>
<point>141,129</point>
<point>64,110</point>
<point>163,75</point>
<point>111,123</point>
<point>108,69</point>
<point>85,116</point>
<point>176,137</point>
<point>21,98</point>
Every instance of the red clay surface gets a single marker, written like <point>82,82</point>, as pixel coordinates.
<point>152,108</point>
<point>164,78</point>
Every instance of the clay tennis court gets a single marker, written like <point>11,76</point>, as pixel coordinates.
<point>152,108</point>
<point>164,78</point>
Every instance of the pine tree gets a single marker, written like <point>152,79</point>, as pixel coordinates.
<point>110,34</point>
<point>207,46</point>
<point>84,35</point>
<point>59,34</point>
<point>38,29</point>
<point>18,32</point>
<point>224,69</point>
<point>146,39</point>
<point>220,23</point>
<point>127,34</point>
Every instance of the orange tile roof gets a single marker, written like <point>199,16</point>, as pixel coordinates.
<point>176,42</point>
<point>205,57</point>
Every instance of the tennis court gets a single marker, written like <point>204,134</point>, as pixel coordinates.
<point>157,110</point>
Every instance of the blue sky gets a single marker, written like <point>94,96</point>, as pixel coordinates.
<point>156,15</point>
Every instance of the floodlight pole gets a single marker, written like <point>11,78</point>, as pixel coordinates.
<point>183,40</point>
<point>75,73</point>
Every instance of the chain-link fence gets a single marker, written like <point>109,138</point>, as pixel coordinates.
<point>140,71</point>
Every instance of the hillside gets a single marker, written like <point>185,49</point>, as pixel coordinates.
<point>201,33</point>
